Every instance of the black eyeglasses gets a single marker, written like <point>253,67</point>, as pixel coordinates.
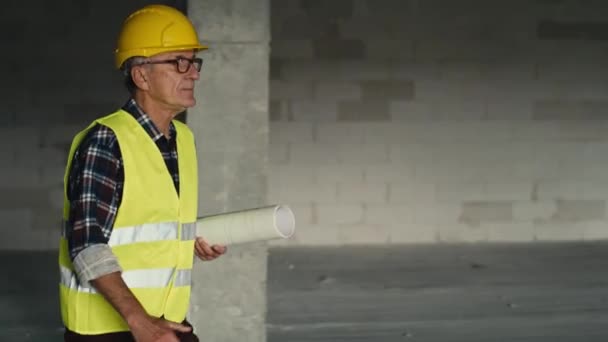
<point>181,63</point>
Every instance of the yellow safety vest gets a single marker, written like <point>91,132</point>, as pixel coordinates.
<point>153,235</point>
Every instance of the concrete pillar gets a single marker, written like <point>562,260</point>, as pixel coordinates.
<point>230,122</point>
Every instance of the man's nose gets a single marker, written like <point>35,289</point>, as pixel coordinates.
<point>193,73</point>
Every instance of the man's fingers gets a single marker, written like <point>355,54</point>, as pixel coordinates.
<point>178,327</point>
<point>199,250</point>
<point>204,249</point>
<point>219,249</point>
<point>204,246</point>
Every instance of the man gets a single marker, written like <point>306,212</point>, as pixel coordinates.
<point>130,207</point>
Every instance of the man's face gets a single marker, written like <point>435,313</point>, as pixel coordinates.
<point>169,87</point>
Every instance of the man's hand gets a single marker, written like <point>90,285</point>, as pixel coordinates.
<point>206,252</point>
<point>145,328</point>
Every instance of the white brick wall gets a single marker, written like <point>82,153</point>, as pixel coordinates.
<point>511,231</point>
<point>314,110</point>
<point>389,214</point>
<point>340,133</point>
<point>504,123</point>
<point>336,91</point>
<point>339,213</point>
<point>283,133</point>
<point>291,90</point>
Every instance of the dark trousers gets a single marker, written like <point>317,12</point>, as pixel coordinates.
<point>124,336</point>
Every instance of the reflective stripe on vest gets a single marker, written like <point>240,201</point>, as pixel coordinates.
<point>144,233</point>
<point>183,278</point>
<point>188,231</point>
<point>149,232</point>
<point>149,278</point>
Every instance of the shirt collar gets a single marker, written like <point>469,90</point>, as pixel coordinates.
<point>144,120</point>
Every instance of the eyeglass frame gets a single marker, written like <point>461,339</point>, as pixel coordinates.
<point>176,61</point>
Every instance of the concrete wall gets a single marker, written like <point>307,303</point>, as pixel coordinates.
<point>230,122</point>
<point>440,121</point>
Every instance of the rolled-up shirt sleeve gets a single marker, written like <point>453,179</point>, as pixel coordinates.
<point>95,261</point>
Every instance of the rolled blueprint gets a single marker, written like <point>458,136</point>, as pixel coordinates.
<point>268,223</point>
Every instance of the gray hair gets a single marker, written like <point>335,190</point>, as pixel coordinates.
<point>126,72</point>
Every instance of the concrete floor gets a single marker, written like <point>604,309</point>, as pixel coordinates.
<point>529,292</point>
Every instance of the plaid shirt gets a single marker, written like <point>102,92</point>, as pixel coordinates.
<point>96,180</point>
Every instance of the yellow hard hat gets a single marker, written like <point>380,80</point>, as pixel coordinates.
<point>155,29</point>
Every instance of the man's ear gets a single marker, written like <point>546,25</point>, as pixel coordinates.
<point>139,78</point>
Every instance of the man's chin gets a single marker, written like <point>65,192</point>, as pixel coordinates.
<point>189,103</point>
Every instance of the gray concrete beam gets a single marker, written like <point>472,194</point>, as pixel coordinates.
<point>230,122</point>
